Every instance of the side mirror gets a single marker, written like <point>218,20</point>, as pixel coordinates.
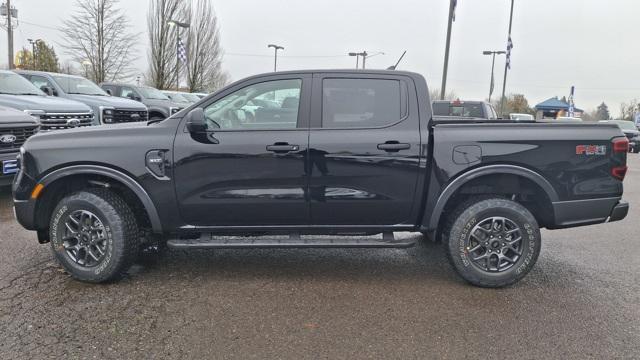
<point>109,92</point>
<point>196,122</point>
<point>131,96</point>
<point>47,90</point>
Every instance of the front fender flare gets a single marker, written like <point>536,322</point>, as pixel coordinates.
<point>123,178</point>
<point>458,182</point>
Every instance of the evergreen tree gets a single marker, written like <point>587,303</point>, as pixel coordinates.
<point>602,113</point>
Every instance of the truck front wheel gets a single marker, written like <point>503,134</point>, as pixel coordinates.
<point>94,235</point>
<point>492,242</point>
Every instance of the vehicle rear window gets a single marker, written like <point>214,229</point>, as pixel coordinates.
<point>458,109</point>
<point>354,103</point>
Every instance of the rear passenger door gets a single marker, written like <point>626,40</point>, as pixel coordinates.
<point>364,150</point>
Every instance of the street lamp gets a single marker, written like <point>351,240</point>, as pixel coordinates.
<point>365,55</point>
<point>33,51</point>
<point>86,63</point>
<point>178,25</point>
<point>275,57</point>
<point>493,62</point>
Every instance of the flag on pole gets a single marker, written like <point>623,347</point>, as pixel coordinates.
<point>455,3</point>
<point>182,51</point>
<point>509,47</point>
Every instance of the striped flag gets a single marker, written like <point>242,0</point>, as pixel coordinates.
<point>182,51</point>
<point>455,3</point>
<point>509,47</point>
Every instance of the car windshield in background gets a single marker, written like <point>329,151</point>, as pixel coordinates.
<point>78,85</point>
<point>458,109</point>
<point>623,124</point>
<point>14,84</point>
<point>191,97</point>
<point>178,98</point>
<point>151,93</point>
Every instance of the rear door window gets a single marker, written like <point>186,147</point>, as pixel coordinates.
<point>362,103</point>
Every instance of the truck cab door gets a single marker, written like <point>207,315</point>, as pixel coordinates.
<point>364,150</point>
<point>248,169</point>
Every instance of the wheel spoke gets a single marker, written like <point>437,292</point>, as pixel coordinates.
<point>94,256</point>
<point>476,248</point>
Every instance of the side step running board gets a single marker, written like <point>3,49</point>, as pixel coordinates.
<point>209,241</point>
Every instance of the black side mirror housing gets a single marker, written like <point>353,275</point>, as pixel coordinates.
<point>109,92</point>
<point>196,123</point>
<point>47,90</point>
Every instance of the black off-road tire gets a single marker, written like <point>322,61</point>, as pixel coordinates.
<point>456,235</point>
<point>119,229</point>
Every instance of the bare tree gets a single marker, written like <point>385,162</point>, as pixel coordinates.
<point>162,54</point>
<point>204,53</point>
<point>435,94</point>
<point>98,34</point>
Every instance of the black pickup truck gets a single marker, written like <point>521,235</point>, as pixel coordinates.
<point>288,159</point>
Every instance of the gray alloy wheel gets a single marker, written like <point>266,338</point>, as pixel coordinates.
<point>85,240</point>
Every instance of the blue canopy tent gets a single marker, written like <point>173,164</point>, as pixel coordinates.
<point>554,107</point>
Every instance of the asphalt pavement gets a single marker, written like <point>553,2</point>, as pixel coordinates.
<point>582,300</point>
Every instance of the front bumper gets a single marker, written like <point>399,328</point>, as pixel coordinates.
<point>25,213</point>
<point>586,212</point>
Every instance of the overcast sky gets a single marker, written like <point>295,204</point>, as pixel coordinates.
<point>592,44</point>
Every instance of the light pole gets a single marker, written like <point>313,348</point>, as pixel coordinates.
<point>86,63</point>
<point>452,9</point>
<point>178,25</point>
<point>275,55</point>
<point>357,55</point>
<point>366,55</point>
<point>33,52</point>
<point>493,62</point>
<point>506,64</point>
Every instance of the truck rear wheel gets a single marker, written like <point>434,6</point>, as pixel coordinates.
<point>492,242</point>
<point>94,235</point>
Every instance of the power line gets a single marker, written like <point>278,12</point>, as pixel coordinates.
<point>289,56</point>
<point>38,25</point>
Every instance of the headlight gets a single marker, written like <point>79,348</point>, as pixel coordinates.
<point>106,116</point>
<point>36,114</point>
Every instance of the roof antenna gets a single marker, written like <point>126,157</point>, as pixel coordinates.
<point>393,67</point>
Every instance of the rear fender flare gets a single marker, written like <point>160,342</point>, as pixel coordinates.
<point>458,182</point>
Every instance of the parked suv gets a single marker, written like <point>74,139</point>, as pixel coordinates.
<point>160,106</point>
<point>54,113</point>
<point>465,109</point>
<point>15,128</point>
<point>107,109</point>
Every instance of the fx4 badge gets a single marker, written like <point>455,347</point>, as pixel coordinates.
<point>591,150</point>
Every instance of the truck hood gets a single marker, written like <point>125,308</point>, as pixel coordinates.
<point>163,103</point>
<point>116,102</point>
<point>44,103</point>
<point>10,116</point>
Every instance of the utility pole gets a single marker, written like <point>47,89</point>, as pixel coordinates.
<point>275,55</point>
<point>452,5</point>
<point>506,64</point>
<point>34,61</point>
<point>10,33</point>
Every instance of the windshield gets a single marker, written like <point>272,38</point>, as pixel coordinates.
<point>78,85</point>
<point>152,93</point>
<point>458,109</point>
<point>14,84</point>
<point>191,97</point>
<point>178,97</point>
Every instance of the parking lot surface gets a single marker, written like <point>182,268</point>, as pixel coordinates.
<point>582,300</point>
